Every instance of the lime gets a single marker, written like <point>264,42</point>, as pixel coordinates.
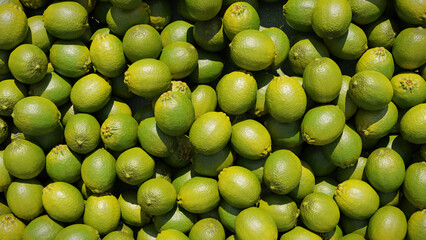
<point>199,195</point>
<point>255,223</point>
<point>134,166</point>
<point>142,36</point>
<point>156,196</point>
<point>387,222</point>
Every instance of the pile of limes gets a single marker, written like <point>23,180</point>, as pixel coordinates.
<point>212,119</point>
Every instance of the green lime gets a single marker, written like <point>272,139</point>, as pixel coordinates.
<point>113,106</point>
<point>416,225</point>
<point>82,133</point>
<point>305,51</point>
<point>405,49</point>
<point>142,36</point>
<point>62,164</point>
<point>410,11</point>
<point>5,177</point>
<point>204,99</point>
<point>317,160</point>
<point>147,232</point>
<point>298,14</point>
<point>325,185</point>
<point>106,52</point>
<point>120,20</point>
<point>119,132</point>
<point>203,10</point>
<point>199,195</point>
<point>377,59</point>
<point>414,184</point>
<point>349,46</point>
<point>212,165</point>
<point>160,13</point>
<point>282,46</point>
<point>365,12</point>
<point>24,198</point>
<point>227,215</point>
<point>78,231</point>
<point>11,227</point>
<point>156,196</point>
<point>28,63</point>
<point>171,234</point>
<point>90,93</point>
<point>38,34</point>
<point>14,26</point>
<point>131,211</point>
<point>388,222</point>
<point>42,227</point>
<point>153,140</point>
<point>409,89</point>
<point>125,4</point>
<point>240,16</point>
<point>355,171</point>
<point>382,32</point>
<point>98,171</point>
<point>390,198</point>
<point>11,91</point>
<point>299,233</point>
<point>181,58</point>
<point>412,124</point>
<point>255,223</point>
<point>177,31</point>
<point>319,212</point>
<point>208,229</point>
<point>177,218</point>
<point>70,58</point>
<point>63,202</point>
<point>210,67</point>
<point>102,212</point>
<point>134,166</point>
<point>331,19</point>
<point>282,209</point>
<point>306,184</point>
<point>209,35</point>
<point>53,87</point>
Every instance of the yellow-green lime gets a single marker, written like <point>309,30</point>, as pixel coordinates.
<point>182,175</point>
<point>325,185</point>
<point>298,14</point>
<point>236,92</point>
<point>209,35</point>
<point>416,225</point>
<point>370,90</point>
<point>131,211</point>
<point>14,26</point>
<point>119,88</point>
<point>102,212</point>
<point>284,134</point>
<point>319,212</point>
<point>282,209</point>
<point>90,93</point>
<point>11,227</point>
<point>53,87</point>
<point>78,231</point>
<point>148,77</point>
<point>24,198</point>
<point>98,171</point>
<point>208,229</point>
<point>322,80</point>
<point>125,4</point>
<point>70,58</point>
<point>160,13</point>
<point>250,139</point>
<point>5,177</point>
<point>411,11</point>
<point>153,140</point>
<point>4,58</point>
<point>263,79</point>
<point>82,133</point>
<point>390,198</point>
<point>316,159</point>
<point>66,20</point>
<point>203,10</point>
<point>171,234</point>
<point>356,199</point>
<point>106,52</point>
<point>239,186</point>
<point>210,67</point>
<point>119,132</point>
<point>11,91</point>
<point>118,235</point>
<point>299,233</point>
<point>177,218</point>
<point>240,16</point>
<point>134,166</point>
<point>4,130</point>
<point>177,31</point>
<point>113,106</point>
<point>282,46</point>
<point>62,164</point>
<point>331,19</point>
<point>204,99</point>
<point>355,171</point>
<point>306,184</point>
<point>412,124</point>
<point>414,184</point>
<point>199,195</point>
<point>285,91</point>
<point>377,59</point>
<point>388,222</point>
<point>42,227</point>
<point>376,124</point>
<point>354,226</point>
<point>147,232</point>
<point>409,89</point>
<point>352,236</point>
<point>63,202</point>
<point>227,215</point>
<point>349,46</point>
<point>382,32</point>
<point>322,125</point>
<point>305,51</point>
<point>142,36</point>
<point>255,223</point>
<point>365,12</point>
<point>182,154</point>
<point>210,133</point>
<point>156,196</point>
<point>405,49</point>
<point>181,58</point>
<point>345,150</point>
<point>23,159</point>
<point>28,63</point>
<point>212,165</point>
<point>120,20</point>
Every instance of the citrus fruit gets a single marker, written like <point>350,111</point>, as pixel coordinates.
<point>349,46</point>
<point>160,13</point>
<point>171,234</point>
<point>204,99</point>
<point>322,80</point>
<point>113,106</point>
<point>250,139</point>
<point>284,134</point>
<point>82,133</point>
<point>412,124</point>
<point>119,132</point>
<point>316,159</point>
<point>4,58</point>
<point>153,140</point>
<point>24,198</point>
<point>354,226</point>
<point>331,19</point>
<point>355,171</point>
<point>131,212</point>
<point>203,10</point>
<point>66,20</point>
<point>14,26</point>
<point>106,52</point>
<point>63,165</point>
<point>70,58</point>
<point>282,209</point>
<point>387,222</point>
<point>11,91</point>
<point>410,11</point>
<point>28,63</point>
<point>120,20</point>
<point>282,46</point>
<point>147,232</point>
<point>382,32</point>
<point>414,184</point>
<point>207,228</point>
<point>319,212</point>
<point>148,77</point>
<point>199,195</point>
<point>345,150</point>
<point>142,36</point>
<point>209,35</point>
<point>78,231</point>
<point>365,12</point>
<point>227,215</point>
<point>408,90</point>
<point>210,133</point>
<point>102,212</point>
<point>299,233</point>
<point>90,93</point>
<point>98,171</point>
<point>377,59</point>
<point>325,185</point>
<point>23,159</point>
<point>416,225</point>
<point>174,113</point>
<point>356,199</point>
<point>239,186</point>
<point>177,31</point>
<point>210,67</point>
<point>5,177</point>
<point>134,166</point>
<point>182,175</point>
<point>211,165</point>
<point>62,201</point>
<point>156,196</point>
<point>255,223</point>
<point>42,227</point>
<point>11,227</point>
<point>306,184</point>
<point>53,87</point>
<point>181,58</point>
<point>406,45</point>
<point>298,14</point>
<point>240,16</point>
<point>376,124</point>
<point>305,51</point>
<point>177,218</point>
<point>370,90</point>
